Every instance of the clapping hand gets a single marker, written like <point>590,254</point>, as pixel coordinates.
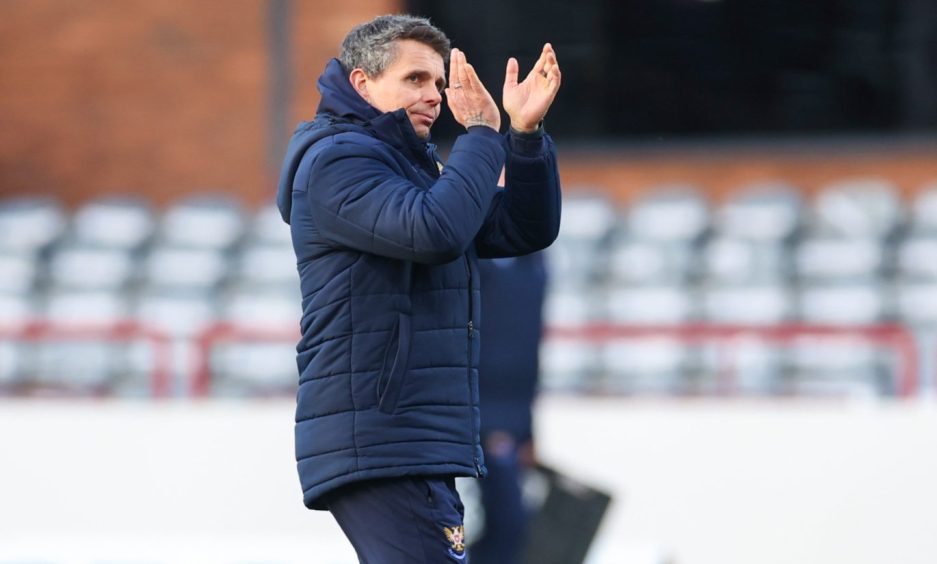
<point>527,102</point>
<point>469,101</point>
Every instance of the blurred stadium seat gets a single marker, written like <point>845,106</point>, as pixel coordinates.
<point>172,268</point>
<point>838,259</point>
<point>843,304</point>
<point>220,281</point>
<point>923,219</point>
<point>649,305</point>
<point>764,212</point>
<point>29,224</point>
<point>917,259</point>
<point>765,304</point>
<point>861,207</point>
<point>205,221</point>
<point>674,213</point>
<point>645,366</point>
<point>179,314</point>
<point>116,222</point>
<point>728,260</point>
<point>18,272</point>
<point>569,366</point>
<point>89,268</point>
<point>635,262</point>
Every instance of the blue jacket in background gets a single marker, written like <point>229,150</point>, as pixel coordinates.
<point>512,308</point>
<point>386,244</point>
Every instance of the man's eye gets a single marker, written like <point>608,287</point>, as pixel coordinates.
<point>413,78</point>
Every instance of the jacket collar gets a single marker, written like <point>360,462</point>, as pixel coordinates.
<point>342,104</point>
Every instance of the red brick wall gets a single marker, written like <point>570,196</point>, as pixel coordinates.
<point>158,98</point>
<point>166,98</point>
<point>721,171</point>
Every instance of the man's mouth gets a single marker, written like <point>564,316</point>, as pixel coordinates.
<point>427,118</point>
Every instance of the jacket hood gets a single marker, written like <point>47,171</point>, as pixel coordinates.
<point>341,108</point>
<point>339,98</point>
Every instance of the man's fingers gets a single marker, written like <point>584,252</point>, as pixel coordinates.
<point>551,68</point>
<point>553,79</point>
<point>510,73</point>
<point>473,77</point>
<point>453,63</point>
<point>462,76</point>
<point>541,62</point>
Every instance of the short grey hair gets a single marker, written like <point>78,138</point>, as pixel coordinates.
<point>371,46</point>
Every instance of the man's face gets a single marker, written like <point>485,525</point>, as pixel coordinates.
<point>414,82</point>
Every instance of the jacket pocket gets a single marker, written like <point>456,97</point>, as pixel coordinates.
<point>394,371</point>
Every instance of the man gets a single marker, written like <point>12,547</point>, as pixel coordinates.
<point>387,241</point>
<point>512,308</point>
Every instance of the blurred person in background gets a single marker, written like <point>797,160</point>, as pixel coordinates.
<point>387,241</point>
<point>512,310</point>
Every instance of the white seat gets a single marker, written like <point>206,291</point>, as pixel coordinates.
<point>266,364</point>
<point>11,363</point>
<point>97,308</point>
<point>18,272</point>
<point>642,262</point>
<point>213,222</point>
<point>744,364</point>
<point>570,308</point>
<point>568,365</point>
<point>916,303</point>
<point>740,261</point>
<point>90,268</point>
<point>267,265</point>
<point>91,365</point>
<point>767,212</point>
<point>185,268</point>
<point>860,207</point>
<point>836,367</point>
<point>180,315</point>
<point>587,217</point>
<point>646,365</point>
<point>917,259</point>
<point>839,259</point>
<point>747,304</point>
<point>30,224</point>
<point>268,228</point>
<point>118,222</point>
<point>650,305</point>
<point>924,211</point>
<point>574,264</point>
<point>251,368</point>
<point>843,304</point>
<point>16,309</point>
<point>92,362</point>
<point>278,311</point>
<point>668,213</point>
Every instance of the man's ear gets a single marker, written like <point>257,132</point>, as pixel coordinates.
<point>359,81</point>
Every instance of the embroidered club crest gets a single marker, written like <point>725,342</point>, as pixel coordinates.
<point>456,538</point>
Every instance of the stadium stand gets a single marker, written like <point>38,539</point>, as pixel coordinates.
<point>760,293</point>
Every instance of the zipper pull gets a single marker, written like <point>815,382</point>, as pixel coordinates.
<point>471,329</point>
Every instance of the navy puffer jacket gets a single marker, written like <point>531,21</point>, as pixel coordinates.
<point>386,247</point>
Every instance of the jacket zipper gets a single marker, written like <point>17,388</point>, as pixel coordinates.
<point>471,336</point>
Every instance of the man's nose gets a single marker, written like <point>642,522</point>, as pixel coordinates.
<point>433,96</point>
